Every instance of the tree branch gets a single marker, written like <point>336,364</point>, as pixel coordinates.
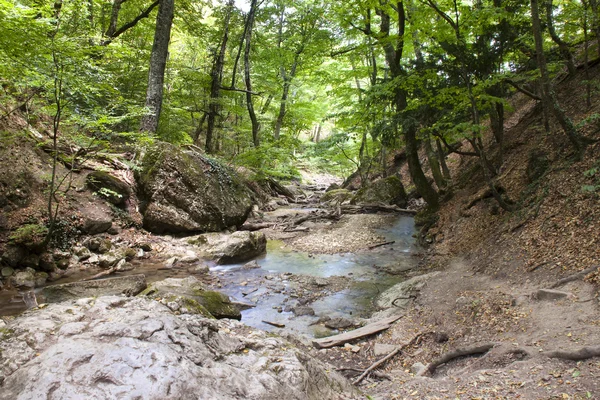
<point>131,24</point>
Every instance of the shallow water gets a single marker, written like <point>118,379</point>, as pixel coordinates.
<point>365,269</point>
<point>271,295</point>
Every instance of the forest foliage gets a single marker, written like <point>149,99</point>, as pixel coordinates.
<point>278,84</point>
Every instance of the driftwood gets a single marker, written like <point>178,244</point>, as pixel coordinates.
<point>386,358</point>
<point>374,246</point>
<point>346,337</point>
<point>249,292</point>
<point>275,324</point>
<point>278,188</point>
<point>465,351</point>
<point>537,266</point>
<point>369,208</point>
<point>574,277</point>
<point>256,226</point>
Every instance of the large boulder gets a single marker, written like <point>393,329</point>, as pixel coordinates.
<point>136,348</point>
<point>185,191</point>
<point>108,187</point>
<point>128,285</point>
<point>387,190</point>
<point>191,293</point>
<point>231,248</point>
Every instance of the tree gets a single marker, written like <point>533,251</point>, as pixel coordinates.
<point>158,63</point>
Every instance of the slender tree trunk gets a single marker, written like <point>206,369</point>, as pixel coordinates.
<point>586,56</point>
<point>442,158</point>
<point>434,164</point>
<point>158,63</point>
<point>549,99</point>
<point>562,45</point>
<point>249,101</point>
<point>215,83</point>
<point>596,22</point>
<point>114,18</point>
<point>287,83</point>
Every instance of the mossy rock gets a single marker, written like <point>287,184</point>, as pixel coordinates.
<point>387,190</point>
<point>108,187</point>
<point>30,236</point>
<point>337,195</point>
<point>216,304</point>
<point>185,191</point>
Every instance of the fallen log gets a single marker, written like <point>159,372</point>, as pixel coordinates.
<point>465,351</point>
<point>275,324</point>
<point>369,208</point>
<point>346,337</point>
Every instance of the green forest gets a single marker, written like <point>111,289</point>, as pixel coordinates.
<point>274,84</point>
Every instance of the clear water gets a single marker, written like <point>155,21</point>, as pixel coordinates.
<point>261,287</point>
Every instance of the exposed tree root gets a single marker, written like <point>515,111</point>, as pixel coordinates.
<point>574,355</point>
<point>574,277</point>
<point>389,356</point>
<point>461,352</point>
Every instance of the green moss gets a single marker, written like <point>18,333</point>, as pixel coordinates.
<point>30,235</point>
<point>426,217</point>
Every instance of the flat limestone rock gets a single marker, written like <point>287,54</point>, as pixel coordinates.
<point>127,348</point>
<point>551,294</point>
<point>129,285</point>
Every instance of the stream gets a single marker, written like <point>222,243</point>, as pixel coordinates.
<point>332,285</point>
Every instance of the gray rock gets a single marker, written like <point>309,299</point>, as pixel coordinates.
<point>129,285</point>
<point>93,243</point>
<point>551,294</point>
<point>400,294</point>
<point>184,191</point>
<point>417,368</point>
<point>108,187</point>
<point>386,190</point>
<point>47,262</point>
<point>189,259</point>
<point>40,278</point>
<point>251,265</point>
<point>97,223</point>
<point>236,247</point>
<point>31,260</point>
<point>109,260</point>
<point>6,272</point>
<point>13,255</point>
<point>82,253</point>
<point>339,323</point>
<point>199,269</point>
<point>170,262</point>
<point>24,279</point>
<point>217,304</point>
<point>145,246</point>
<point>381,349</point>
<point>105,246</point>
<point>114,347</point>
<point>303,310</point>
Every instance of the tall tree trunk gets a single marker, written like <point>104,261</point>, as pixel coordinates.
<point>549,100</point>
<point>249,101</point>
<point>565,52</point>
<point>393,57</point>
<point>114,18</point>
<point>287,83</point>
<point>442,158</point>
<point>216,75</point>
<point>158,63</point>
<point>434,164</point>
<point>596,22</point>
